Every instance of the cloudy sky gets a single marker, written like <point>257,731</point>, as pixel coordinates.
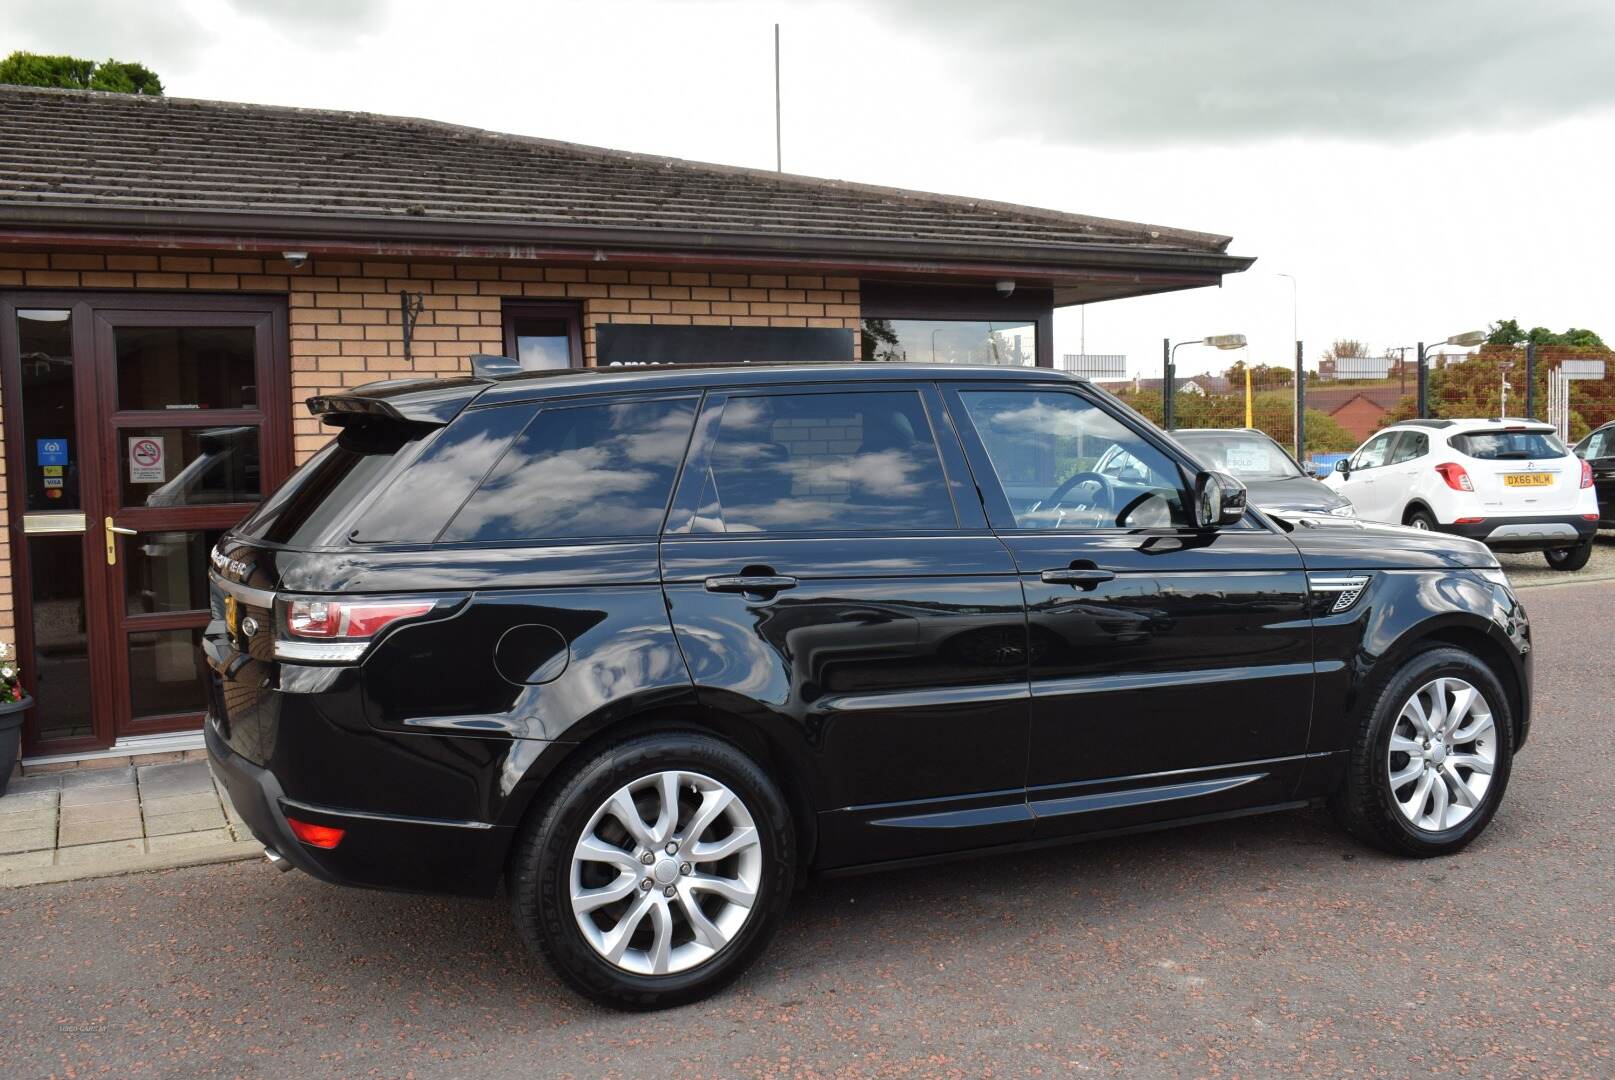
<point>1420,169</point>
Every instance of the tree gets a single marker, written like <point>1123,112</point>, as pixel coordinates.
<point>1345,347</point>
<point>72,73</point>
<point>1509,332</point>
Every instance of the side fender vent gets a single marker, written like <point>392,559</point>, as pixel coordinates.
<point>1335,593</point>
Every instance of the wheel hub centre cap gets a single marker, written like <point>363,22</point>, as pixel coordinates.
<point>1436,754</point>
<point>666,872</point>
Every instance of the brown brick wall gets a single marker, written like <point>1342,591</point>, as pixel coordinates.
<point>345,325</point>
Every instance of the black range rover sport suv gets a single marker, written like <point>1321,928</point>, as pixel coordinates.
<point>647,646</point>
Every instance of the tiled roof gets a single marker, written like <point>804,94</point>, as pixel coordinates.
<point>78,156</point>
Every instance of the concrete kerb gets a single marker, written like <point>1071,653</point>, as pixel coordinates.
<point>116,865</point>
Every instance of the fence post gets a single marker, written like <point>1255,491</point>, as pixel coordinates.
<point>1424,383</point>
<point>1248,418</point>
<point>1166,383</point>
<point>1300,405</point>
<point>1530,380</point>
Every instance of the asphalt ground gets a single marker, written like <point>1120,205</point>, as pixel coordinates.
<point>1267,946</point>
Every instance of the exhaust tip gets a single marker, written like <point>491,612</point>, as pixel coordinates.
<point>277,860</point>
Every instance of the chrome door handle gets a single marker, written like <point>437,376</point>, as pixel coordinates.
<point>751,583</point>
<point>1082,579</point>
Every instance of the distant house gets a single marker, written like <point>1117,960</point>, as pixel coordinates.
<point>1359,409</point>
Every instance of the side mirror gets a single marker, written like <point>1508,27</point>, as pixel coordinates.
<point>1219,499</point>
<point>1343,468</point>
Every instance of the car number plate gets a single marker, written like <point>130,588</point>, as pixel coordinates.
<point>1519,479</point>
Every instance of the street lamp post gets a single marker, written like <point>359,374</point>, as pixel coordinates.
<point>1468,339</point>
<point>1216,341</point>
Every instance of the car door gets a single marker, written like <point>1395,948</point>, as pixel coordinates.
<point>1598,450</point>
<point>1171,666</point>
<point>1401,473</point>
<point>834,585</point>
<point>1362,484</point>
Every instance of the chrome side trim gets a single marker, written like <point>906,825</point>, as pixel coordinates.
<point>1113,800</point>
<point>1104,684</point>
<point>920,699</point>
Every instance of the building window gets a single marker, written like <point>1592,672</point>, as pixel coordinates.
<point>951,341</point>
<point>543,336</point>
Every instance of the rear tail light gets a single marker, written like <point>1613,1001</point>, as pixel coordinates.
<point>339,631</point>
<point>1469,521</point>
<point>1586,474</point>
<point>320,836</point>
<point>1455,476</point>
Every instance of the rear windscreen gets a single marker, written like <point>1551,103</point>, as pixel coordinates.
<point>307,509</point>
<point>1507,445</point>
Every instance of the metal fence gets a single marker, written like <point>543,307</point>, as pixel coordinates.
<point>1348,399</point>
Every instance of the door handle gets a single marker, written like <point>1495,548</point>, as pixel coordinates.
<point>764,584</point>
<point>1082,579</point>
<point>113,532</point>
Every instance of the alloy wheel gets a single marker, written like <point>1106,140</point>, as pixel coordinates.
<point>666,873</point>
<point>1442,754</point>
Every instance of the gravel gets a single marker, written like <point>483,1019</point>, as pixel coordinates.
<point>1267,946</point>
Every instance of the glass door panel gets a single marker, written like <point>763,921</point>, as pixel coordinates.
<point>186,368</point>
<point>60,675</point>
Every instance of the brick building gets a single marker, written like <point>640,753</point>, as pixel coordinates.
<point>178,277</point>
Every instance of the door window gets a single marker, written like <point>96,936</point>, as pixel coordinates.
<point>185,368</point>
<point>50,443</point>
<point>1413,445</point>
<point>1374,452</point>
<point>1066,464</point>
<point>588,470</point>
<point>1601,444</point>
<point>793,463</point>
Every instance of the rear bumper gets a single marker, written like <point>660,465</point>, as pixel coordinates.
<point>1539,533</point>
<point>379,851</point>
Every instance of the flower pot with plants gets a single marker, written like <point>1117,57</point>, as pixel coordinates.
<point>14,703</point>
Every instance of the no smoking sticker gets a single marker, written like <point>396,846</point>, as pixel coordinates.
<point>148,462</point>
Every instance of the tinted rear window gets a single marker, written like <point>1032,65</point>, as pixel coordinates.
<point>1507,445</point>
<point>582,471</point>
<point>308,509</point>
<point>417,505</point>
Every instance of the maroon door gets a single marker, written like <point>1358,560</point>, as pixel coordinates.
<point>137,429</point>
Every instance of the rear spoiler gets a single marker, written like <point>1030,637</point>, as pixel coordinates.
<point>419,401</point>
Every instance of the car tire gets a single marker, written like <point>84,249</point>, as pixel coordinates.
<point>548,863</point>
<point>1422,519</point>
<point>1375,808</point>
<point>1570,558</point>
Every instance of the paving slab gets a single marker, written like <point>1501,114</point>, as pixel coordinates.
<point>23,784</point>
<point>190,821</point>
<point>180,804</point>
<point>188,841</point>
<point>27,840</point>
<point>32,819</point>
<point>100,793</point>
<point>26,860</point>
<point>95,832</point>
<point>88,778</point>
<point>18,802</point>
<point>87,854</point>
<point>180,778</point>
<point>101,811</point>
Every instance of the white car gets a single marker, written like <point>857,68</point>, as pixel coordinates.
<point>1508,483</point>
